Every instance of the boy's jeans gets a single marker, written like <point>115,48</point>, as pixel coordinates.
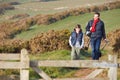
<point>75,53</point>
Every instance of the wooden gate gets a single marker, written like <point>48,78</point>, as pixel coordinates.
<point>99,65</point>
<point>21,61</point>
<point>16,61</point>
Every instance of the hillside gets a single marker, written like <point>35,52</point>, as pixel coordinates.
<point>111,19</point>
<point>34,7</point>
<point>43,23</point>
<point>49,41</point>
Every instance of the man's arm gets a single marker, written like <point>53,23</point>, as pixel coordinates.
<point>103,31</point>
<point>88,33</point>
<point>88,26</point>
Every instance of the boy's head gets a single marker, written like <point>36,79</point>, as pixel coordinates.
<point>77,28</point>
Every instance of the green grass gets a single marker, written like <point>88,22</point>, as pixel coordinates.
<point>59,72</point>
<point>54,55</point>
<point>111,19</point>
<point>54,72</point>
<point>58,55</point>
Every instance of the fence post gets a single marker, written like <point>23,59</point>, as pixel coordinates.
<point>112,73</point>
<point>24,70</point>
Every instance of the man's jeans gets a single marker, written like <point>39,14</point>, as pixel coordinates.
<point>95,45</point>
<point>75,53</point>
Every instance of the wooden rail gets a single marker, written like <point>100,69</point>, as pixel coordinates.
<point>21,61</point>
<point>16,61</point>
<point>111,64</point>
<point>74,63</point>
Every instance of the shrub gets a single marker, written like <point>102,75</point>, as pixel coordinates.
<point>61,15</point>
<point>102,7</point>
<point>1,11</point>
<point>14,3</point>
<point>51,40</point>
<point>113,5</point>
<point>6,6</point>
<point>78,11</point>
<point>13,46</point>
<point>45,19</point>
<point>114,38</point>
<point>20,16</point>
<point>94,8</point>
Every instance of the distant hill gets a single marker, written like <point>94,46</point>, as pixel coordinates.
<point>1,1</point>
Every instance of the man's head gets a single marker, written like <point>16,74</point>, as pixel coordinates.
<point>96,15</point>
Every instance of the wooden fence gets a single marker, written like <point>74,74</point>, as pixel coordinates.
<point>16,61</point>
<point>99,65</point>
<point>110,64</point>
<point>7,62</point>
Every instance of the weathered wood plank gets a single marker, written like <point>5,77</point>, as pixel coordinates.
<point>78,79</point>
<point>42,73</point>
<point>94,73</point>
<point>9,56</point>
<point>74,63</point>
<point>25,58</point>
<point>24,72</point>
<point>112,73</point>
<point>10,65</point>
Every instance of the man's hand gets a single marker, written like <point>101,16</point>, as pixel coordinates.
<point>106,40</point>
<point>90,28</point>
<point>81,47</point>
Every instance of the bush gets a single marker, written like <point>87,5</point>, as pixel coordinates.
<point>49,41</point>
<point>94,9</point>
<point>102,7</point>
<point>1,11</point>
<point>46,19</point>
<point>14,3</point>
<point>13,46</point>
<point>114,38</point>
<point>114,5</point>
<point>62,15</point>
<point>6,6</point>
<point>20,16</point>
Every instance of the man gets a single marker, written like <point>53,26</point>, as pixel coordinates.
<point>96,31</point>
